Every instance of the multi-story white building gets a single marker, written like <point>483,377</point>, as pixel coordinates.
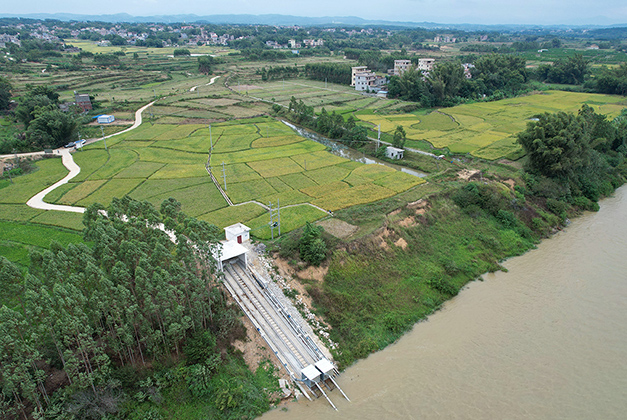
<point>355,70</point>
<point>426,64</point>
<point>401,66</point>
<point>365,81</point>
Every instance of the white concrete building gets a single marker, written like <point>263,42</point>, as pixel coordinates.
<point>237,232</point>
<point>394,152</point>
<point>355,70</point>
<point>365,81</point>
<point>401,66</point>
<point>426,64</point>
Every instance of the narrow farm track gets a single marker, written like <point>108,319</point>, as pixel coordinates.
<point>213,79</point>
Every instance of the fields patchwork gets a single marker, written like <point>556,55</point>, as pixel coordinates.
<point>488,129</point>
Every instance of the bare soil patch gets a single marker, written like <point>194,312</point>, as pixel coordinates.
<point>338,228</point>
<point>409,221</point>
<point>255,349</point>
<point>401,243</point>
<point>468,174</point>
<point>510,183</point>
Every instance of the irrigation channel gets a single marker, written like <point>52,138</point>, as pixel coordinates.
<point>346,152</point>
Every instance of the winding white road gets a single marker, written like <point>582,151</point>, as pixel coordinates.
<point>37,201</point>
<point>213,79</point>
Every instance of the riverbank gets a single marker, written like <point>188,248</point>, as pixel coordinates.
<point>542,340</point>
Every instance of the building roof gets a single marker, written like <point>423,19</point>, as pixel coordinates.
<point>311,372</point>
<point>230,249</point>
<point>394,149</point>
<point>324,366</point>
<point>236,229</point>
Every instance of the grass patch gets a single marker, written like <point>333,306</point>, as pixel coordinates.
<point>119,159</point>
<point>298,181</point>
<point>170,156</point>
<point>36,235</point>
<point>399,181</point>
<point>18,212</point>
<point>80,191</point>
<point>253,155</point>
<point>250,190</point>
<point>180,171</point>
<point>276,141</point>
<point>140,170</point>
<point>26,186</point>
<point>62,219</point>
<point>233,214</point>
<point>112,188</point>
<point>152,187</point>
<point>90,160</point>
<point>195,200</point>
<point>291,218</point>
<point>275,167</point>
<point>360,194</point>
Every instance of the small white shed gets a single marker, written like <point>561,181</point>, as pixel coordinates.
<point>394,152</point>
<point>105,119</point>
<point>237,232</point>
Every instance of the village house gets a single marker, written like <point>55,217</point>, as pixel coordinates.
<point>355,70</point>
<point>401,66</point>
<point>426,64</point>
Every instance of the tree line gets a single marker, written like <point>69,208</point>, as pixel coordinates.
<point>331,72</point>
<point>331,125</point>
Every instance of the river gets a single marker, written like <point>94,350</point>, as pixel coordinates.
<point>546,340</point>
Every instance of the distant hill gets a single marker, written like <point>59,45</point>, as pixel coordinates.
<point>283,20</point>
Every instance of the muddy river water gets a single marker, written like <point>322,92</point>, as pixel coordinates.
<point>546,340</point>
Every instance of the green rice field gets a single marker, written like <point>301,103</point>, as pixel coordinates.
<point>264,162</point>
<point>488,129</point>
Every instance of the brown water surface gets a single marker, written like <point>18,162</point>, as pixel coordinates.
<point>547,340</point>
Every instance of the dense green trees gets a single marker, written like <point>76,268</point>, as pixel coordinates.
<point>278,72</point>
<point>611,80</point>
<point>205,62</point>
<point>312,247</point>
<point>398,140</point>
<point>495,76</point>
<point>571,70</point>
<point>332,125</point>
<point>97,313</point>
<point>52,128</point>
<point>5,93</point>
<point>331,72</point>
<point>583,155</point>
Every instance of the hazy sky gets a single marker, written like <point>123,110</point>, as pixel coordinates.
<point>442,11</point>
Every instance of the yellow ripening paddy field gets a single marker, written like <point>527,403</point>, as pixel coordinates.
<point>488,129</point>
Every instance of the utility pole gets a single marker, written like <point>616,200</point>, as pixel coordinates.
<point>325,82</point>
<point>379,137</point>
<point>275,218</point>
<point>210,139</point>
<point>224,175</point>
<point>103,137</point>
<point>153,91</point>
